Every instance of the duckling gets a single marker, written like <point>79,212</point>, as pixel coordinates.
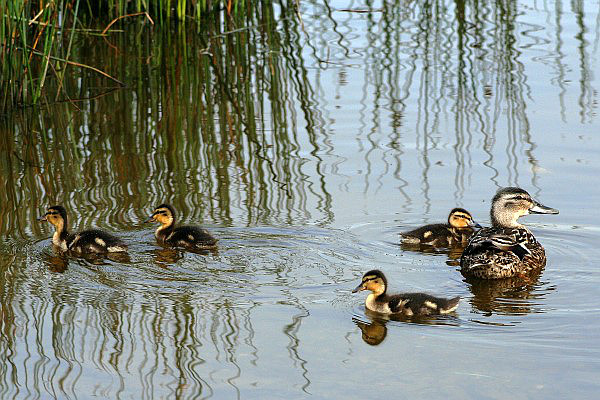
<point>456,232</point>
<point>191,237</point>
<point>92,241</point>
<point>507,248</point>
<point>406,304</point>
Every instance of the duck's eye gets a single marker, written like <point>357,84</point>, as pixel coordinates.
<point>520,198</point>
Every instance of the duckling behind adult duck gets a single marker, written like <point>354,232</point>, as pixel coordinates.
<point>507,248</point>
<point>89,241</point>
<point>456,232</point>
<point>191,237</point>
<point>406,304</point>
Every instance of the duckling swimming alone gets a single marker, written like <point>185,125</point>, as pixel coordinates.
<point>407,304</point>
<point>456,232</point>
<point>92,241</point>
<point>507,248</point>
<point>167,234</point>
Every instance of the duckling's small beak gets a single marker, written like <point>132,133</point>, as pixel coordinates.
<point>474,224</point>
<point>150,219</point>
<point>541,209</point>
<point>43,218</point>
<point>358,288</point>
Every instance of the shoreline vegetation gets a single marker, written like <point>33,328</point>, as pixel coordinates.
<point>38,38</point>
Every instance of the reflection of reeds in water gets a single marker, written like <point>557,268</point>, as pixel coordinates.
<point>128,348</point>
<point>112,329</point>
<point>208,122</point>
<point>464,66</point>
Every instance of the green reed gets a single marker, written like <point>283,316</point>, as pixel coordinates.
<point>36,36</point>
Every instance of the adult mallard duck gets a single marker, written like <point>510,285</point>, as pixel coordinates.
<point>406,304</point>
<point>456,232</point>
<point>191,237</point>
<point>91,241</point>
<point>507,248</point>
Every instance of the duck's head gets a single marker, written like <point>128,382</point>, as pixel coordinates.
<point>164,214</point>
<point>511,203</point>
<point>374,281</point>
<point>460,218</point>
<point>56,215</point>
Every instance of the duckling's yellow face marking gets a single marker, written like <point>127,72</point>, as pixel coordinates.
<point>53,216</point>
<point>162,215</point>
<point>460,219</point>
<point>374,283</point>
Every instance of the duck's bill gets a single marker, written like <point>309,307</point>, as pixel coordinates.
<point>149,219</point>
<point>358,288</point>
<point>541,209</point>
<point>474,224</point>
<point>42,218</point>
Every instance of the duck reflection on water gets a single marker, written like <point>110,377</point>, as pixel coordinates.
<point>166,256</point>
<point>510,296</point>
<point>57,262</point>
<point>375,330</point>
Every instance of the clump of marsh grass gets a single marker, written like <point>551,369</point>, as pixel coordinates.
<point>36,37</point>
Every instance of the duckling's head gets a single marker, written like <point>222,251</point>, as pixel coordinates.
<point>374,281</point>
<point>56,215</point>
<point>164,214</point>
<point>460,218</point>
<point>511,203</point>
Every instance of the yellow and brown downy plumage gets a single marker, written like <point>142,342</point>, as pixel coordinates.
<point>191,237</point>
<point>406,304</point>
<point>92,241</point>
<point>507,248</point>
<point>456,232</point>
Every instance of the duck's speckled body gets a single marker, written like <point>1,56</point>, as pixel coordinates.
<point>92,241</point>
<point>405,304</point>
<point>191,237</point>
<point>507,248</point>
<point>456,232</point>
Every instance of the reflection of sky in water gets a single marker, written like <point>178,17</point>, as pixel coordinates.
<point>391,119</point>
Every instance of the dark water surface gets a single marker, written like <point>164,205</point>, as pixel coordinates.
<point>306,147</point>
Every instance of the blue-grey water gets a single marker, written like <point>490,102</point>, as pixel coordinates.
<point>306,146</point>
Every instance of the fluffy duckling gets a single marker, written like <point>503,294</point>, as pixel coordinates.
<point>507,248</point>
<point>92,241</point>
<point>456,232</point>
<point>191,237</point>
<point>406,304</point>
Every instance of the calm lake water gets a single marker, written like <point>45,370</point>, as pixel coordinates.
<point>306,147</point>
